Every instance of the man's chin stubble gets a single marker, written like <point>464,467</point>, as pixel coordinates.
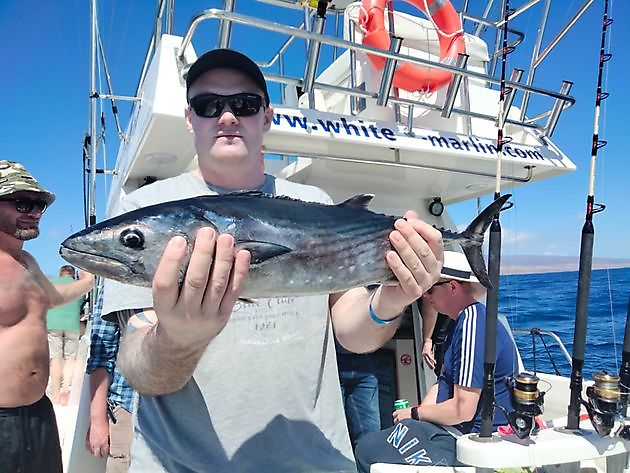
<point>26,234</point>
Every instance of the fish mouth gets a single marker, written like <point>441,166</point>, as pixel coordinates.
<point>106,267</point>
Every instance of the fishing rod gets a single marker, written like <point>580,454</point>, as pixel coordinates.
<point>624,378</point>
<point>494,256</point>
<point>586,252</point>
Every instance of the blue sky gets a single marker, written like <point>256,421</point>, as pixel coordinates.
<point>44,99</point>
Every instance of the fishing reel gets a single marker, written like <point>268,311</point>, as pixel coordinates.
<point>604,402</point>
<point>528,403</point>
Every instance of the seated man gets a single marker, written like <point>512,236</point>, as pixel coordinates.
<point>418,437</point>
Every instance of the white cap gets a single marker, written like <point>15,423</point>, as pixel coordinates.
<point>456,267</point>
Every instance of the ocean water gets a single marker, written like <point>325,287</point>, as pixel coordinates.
<point>547,302</point>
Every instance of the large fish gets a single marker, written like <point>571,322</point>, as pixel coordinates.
<point>297,248</point>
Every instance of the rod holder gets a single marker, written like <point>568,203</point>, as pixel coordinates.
<point>453,86</point>
<point>312,58</point>
<point>581,319</point>
<point>353,74</point>
<point>409,131</point>
<point>490,342</point>
<point>388,73</point>
<point>556,110</point>
<point>515,78</point>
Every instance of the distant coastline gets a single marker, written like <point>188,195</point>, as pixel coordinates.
<point>535,264</point>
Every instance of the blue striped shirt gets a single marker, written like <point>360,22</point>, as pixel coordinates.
<point>464,364</point>
<point>104,343</point>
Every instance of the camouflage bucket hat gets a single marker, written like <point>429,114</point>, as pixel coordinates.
<point>14,178</point>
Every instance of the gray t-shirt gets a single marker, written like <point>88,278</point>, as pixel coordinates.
<point>265,396</point>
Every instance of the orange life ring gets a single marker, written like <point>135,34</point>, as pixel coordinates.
<point>412,77</point>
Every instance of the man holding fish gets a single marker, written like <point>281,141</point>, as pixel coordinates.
<point>230,384</point>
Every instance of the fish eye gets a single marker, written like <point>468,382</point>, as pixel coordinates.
<point>132,238</point>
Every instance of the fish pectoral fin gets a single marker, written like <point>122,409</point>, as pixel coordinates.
<point>262,250</point>
<point>360,200</point>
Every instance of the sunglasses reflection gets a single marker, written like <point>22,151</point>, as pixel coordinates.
<point>211,105</point>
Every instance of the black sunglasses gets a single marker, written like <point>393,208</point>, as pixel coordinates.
<point>26,206</point>
<point>211,105</point>
<point>430,290</point>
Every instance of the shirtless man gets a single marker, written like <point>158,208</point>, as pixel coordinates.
<point>29,441</point>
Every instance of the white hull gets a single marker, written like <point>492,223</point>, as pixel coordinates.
<point>73,419</point>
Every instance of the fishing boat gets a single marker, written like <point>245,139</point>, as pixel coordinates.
<point>349,120</point>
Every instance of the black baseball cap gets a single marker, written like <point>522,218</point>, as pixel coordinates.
<point>227,59</point>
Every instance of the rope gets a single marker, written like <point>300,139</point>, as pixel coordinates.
<point>534,350</point>
<point>437,28</point>
<point>363,10</point>
<point>424,10</point>
<point>549,355</point>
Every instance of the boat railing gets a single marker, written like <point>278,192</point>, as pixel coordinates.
<point>539,335</point>
<point>315,36</point>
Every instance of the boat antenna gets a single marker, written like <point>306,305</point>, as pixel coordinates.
<point>494,254</point>
<point>92,142</point>
<point>586,249</point>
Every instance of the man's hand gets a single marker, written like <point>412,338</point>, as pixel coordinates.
<point>427,353</point>
<point>401,414</point>
<point>416,261</point>
<point>85,276</point>
<point>215,277</point>
<point>97,438</point>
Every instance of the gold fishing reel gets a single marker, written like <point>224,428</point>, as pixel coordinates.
<point>527,402</point>
<point>604,402</point>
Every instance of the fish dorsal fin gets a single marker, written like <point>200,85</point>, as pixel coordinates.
<point>260,194</point>
<point>257,193</point>
<point>248,193</point>
<point>359,200</point>
<point>262,250</point>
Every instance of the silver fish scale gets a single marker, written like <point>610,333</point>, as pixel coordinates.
<point>328,258</point>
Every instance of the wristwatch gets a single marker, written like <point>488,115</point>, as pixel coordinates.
<point>414,413</point>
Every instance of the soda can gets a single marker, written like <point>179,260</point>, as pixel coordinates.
<point>401,404</point>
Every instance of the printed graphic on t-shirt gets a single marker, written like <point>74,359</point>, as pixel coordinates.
<point>276,320</point>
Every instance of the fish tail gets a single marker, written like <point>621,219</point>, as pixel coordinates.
<point>472,239</point>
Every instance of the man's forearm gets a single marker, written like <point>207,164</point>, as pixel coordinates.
<point>449,412</point>
<point>444,413</point>
<point>354,327</point>
<point>429,317</point>
<point>99,387</point>
<point>153,365</point>
<point>69,292</point>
